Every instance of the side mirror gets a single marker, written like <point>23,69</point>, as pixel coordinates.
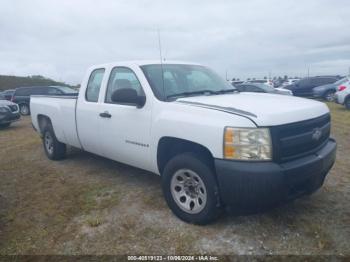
<point>128,96</point>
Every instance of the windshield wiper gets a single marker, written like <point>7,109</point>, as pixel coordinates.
<point>224,91</point>
<point>201,92</point>
<point>192,93</point>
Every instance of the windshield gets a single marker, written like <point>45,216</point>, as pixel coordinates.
<point>182,80</point>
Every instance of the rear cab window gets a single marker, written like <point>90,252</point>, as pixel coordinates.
<point>94,85</point>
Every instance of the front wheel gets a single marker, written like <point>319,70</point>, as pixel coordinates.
<point>190,189</point>
<point>54,149</point>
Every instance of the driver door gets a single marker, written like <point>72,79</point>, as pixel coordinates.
<point>125,129</point>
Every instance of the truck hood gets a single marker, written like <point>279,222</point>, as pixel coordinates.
<point>263,109</point>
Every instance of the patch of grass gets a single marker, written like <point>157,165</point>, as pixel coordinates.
<point>321,238</point>
<point>129,224</point>
<point>155,200</point>
<point>45,207</point>
<point>94,221</point>
<point>99,198</point>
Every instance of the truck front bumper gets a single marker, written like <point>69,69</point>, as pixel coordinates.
<point>255,186</point>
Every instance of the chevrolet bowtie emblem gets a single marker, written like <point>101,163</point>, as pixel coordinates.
<point>316,134</point>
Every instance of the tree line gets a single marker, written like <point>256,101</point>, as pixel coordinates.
<point>12,82</point>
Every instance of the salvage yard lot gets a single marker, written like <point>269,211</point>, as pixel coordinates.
<point>90,205</point>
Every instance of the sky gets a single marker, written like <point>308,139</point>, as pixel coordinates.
<point>60,39</point>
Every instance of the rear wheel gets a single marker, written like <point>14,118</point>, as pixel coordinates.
<point>54,149</point>
<point>190,189</point>
<point>329,96</point>
<point>24,109</point>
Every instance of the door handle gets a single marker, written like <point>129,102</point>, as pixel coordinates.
<point>105,115</point>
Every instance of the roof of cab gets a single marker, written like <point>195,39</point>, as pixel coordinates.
<point>143,62</point>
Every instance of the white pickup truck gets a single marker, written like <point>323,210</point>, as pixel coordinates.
<point>213,146</point>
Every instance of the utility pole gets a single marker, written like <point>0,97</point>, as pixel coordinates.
<point>226,75</point>
<point>308,71</point>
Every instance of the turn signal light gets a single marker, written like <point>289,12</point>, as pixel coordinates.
<point>247,144</point>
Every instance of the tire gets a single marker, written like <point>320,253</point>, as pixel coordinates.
<point>347,103</point>
<point>54,149</point>
<point>24,109</point>
<point>329,96</point>
<point>199,204</point>
<point>5,125</point>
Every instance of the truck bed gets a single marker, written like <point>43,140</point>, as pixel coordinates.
<point>61,110</point>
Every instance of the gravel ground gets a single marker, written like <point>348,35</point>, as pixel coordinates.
<point>90,205</point>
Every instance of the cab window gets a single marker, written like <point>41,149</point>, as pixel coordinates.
<point>121,78</point>
<point>94,85</point>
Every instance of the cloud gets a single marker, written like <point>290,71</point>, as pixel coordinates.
<point>60,39</point>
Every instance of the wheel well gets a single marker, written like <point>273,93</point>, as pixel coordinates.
<point>168,147</point>
<point>43,121</point>
<point>329,91</point>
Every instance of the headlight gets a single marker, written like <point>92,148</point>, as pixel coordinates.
<point>3,109</point>
<point>247,143</point>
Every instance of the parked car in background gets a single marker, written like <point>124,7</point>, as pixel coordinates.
<point>327,92</point>
<point>22,95</point>
<point>289,81</point>
<point>304,87</point>
<point>277,82</point>
<point>237,82</point>
<point>9,112</point>
<point>8,94</point>
<point>342,96</point>
<point>261,81</point>
<point>214,147</point>
<point>262,88</point>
